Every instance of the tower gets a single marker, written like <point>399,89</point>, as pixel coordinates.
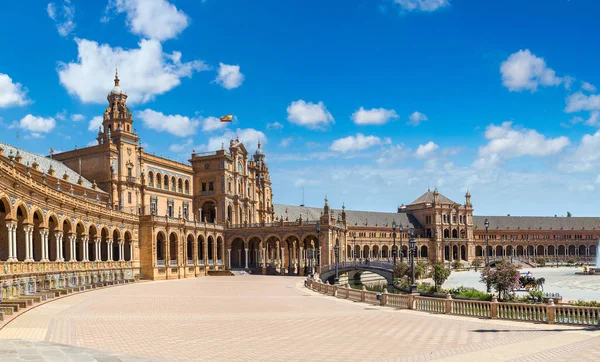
<point>117,122</point>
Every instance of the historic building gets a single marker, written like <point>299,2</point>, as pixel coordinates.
<point>112,210</point>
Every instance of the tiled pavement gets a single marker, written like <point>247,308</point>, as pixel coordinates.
<point>269,318</point>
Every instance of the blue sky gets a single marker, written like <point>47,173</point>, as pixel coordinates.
<point>369,102</point>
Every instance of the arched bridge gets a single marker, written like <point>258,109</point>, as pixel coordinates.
<point>381,269</point>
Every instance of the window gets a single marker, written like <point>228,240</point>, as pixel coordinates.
<point>240,167</point>
<point>206,166</point>
<point>129,172</point>
<point>129,197</point>
<point>150,179</point>
<point>223,164</point>
<point>210,186</point>
<point>203,186</point>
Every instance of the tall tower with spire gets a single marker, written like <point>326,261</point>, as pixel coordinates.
<point>117,122</point>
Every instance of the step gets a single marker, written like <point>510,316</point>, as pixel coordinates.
<point>14,306</point>
<point>22,303</point>
<point>6,310</point>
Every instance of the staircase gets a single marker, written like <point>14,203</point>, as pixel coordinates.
<point>220,273</point>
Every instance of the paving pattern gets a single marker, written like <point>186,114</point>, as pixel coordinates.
<point>270,318</point>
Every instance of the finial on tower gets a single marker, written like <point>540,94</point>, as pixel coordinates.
<point>116,77</point>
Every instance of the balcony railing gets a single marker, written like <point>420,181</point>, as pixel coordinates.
<point>173,263</point>
<point>208,193</point>
<point>200,262</point>
<point>160,262</point>
<point>210,262</point>
<point>219,262</point>
<point>131,179</point>
<point>190,262</point>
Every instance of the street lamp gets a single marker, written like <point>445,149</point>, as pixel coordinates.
<point>394,237</point>
<point>354,247</point>
<point>413,252</point>
<point>487,254</point>
<point>336,249</point>
<point>401,248</point>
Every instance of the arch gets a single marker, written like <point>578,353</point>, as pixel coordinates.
<point>53,231</point>
<point>201,256</point>
<point>104,236</point>
<point>463,252</point>
<point>173,248</point>
<point>173,184</point>
<point>5,216</point>
<point>509,250</point>
<point>520,250</point>
<point>180,185</point>
<point>446,233</point>
<point>209,212</point>
<point>551,250</point>
<point>189,249</point>
<point>454,234</point>
<point>160,247</point>
<point>478,250</point>
<point>365,251</point>
<point>582,250</point>
<point>22,217</point>
<point>424,251</point>
<point>447,252</point>
<point>571,250</point>
<point>220,250</point>
<point>385,252</point>
<point>229,214</point>
<point>150,178</point>
<point>455,254</point>
<point>463,233</point>
<point>93,234</point>
<point>211,250</point>
<point>499,251</point>
<point>254,252</point>
<point>187,187</point>
<point>115,246</point>
<point>238,253</point>
<point>561,250</point>
<point>128,247</point>
<point>38,225</point>
<point>159,180</point>
<point>376,252</point>
<point>593,250</point>
<point>166,182</point>
<point>540,250</point>
<point>80,232</point>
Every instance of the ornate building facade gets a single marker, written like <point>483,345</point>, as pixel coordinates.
<point>113,210</point>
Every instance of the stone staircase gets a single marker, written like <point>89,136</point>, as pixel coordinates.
<point>220,273</point>
<point>12,306</point>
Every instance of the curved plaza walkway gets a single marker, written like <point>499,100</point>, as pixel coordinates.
<point>268,318</point>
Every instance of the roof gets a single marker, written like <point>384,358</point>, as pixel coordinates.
<point>353,217</point>
<point>537,223</point>
<point>59,168</point>
<point>428,198</point>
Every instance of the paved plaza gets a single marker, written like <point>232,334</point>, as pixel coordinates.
<point>270,318</point>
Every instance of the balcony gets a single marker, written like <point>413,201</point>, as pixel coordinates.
<point>208,193</point>
<point>131,179</point>
<point>160,262</point>
<point>173,263</point>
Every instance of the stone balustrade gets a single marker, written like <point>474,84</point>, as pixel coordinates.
<point>541,313</point>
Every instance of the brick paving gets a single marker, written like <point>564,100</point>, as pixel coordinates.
<point>270,318</point>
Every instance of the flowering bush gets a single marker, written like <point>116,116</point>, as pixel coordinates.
<point>504,278</point>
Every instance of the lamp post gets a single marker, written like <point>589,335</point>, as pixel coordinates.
<point>354,247</point>
<point>487,254</point>
<point>394,238</point>
<point>401,249</point>
<point>413,251</point>
<point>336,249</point>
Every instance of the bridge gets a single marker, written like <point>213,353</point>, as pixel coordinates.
<point>383,269</point>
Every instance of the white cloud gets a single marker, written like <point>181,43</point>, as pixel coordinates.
<point>416,118</point>
<point>426,150</point>
<point>375,116</point>
<point>37,124</point>
<point>525,71</point>
<point>176,124</point>
<point>578,101</point>
<point>586,157</point>
<point>62,115</point>
<point>588,87</point>
<point>422,5</point>
<point>11,94</point>
<point>212,123</point>
<point>392,155</point>
<point>77,117</point>
<point>356,143</point>
<point>508,142</point>
<point>310,115</point>
<point>286,141</point>
<point>144,72</point>
<point>229,76</point>
<point>156,19</point>
<point>274,125</point>
<point>95,123</point>
<point>249,137</point>
<point>63,17</point>
<point>187,146</point>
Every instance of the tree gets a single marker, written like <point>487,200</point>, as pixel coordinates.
<point>401,269</point>
<point>504,277</point>
<point>568,214</point>
<point>439,274</point>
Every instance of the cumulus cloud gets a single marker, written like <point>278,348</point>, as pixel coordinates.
<point>375,116</point>
<point>310,115</point>
<point>77,117</point>
<point>505,141</point>
<point>585,157</point>
<point>229,76</point>
<point>286,141</point>
<point>156,19</point>
<point>422,5</point>
<point>212,123</point>
<point>174,124</point>
<point>95,123</point>
<point>11,94</point>
<point>578,101</point>
<point>248,136</point>
<point>416,118</point>
<point>525,71</point>
<point>357,143</point>
<point>588,87</point>
<point>63,16</point>
<point>37,125</point>
<point>426,150</point>
<point>145,72</point>
<point>274,125</point>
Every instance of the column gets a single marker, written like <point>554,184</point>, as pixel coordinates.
<point>282,258</point>
<point>97,248</point>
<point>12,247</point>
<point>229,258</point>
<point>44,236</point>
<point>301,257</point>
<point>264,257</point>
<point>246,254</point>
<point>130,249</point>
<point>58,238</point>
<point>73,249</point>
<point>28,236</point>
<point>122,250</point>
<point>84,248</point>
<point>109,250</point>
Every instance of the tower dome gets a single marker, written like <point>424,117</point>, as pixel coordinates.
<point>117,89</point>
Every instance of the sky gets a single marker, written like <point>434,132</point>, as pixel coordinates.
<point>367,102</point>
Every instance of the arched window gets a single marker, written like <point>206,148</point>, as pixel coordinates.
<point>187,187</point>
<point>179,185</point>
<point>166,182</point>
<point>173,182</point>
<point>159,180</point>
<point>151,179</point>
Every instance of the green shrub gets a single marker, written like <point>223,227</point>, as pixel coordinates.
<point>439,274</point>
<point>541,262</point>
<point>477,262</point>
<point>471,293</point>
<point>585,303</point>
<point>457,264</point>
<point>570,261</point>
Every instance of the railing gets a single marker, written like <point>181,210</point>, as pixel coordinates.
<point>131,179</point>
<point>210,262</point>
<point>160,262</point>
<point>208,193</point>
<point>541,313</point>
<point>190,262</point>
<point>173,263</point>
<point>219,262</point>
<point>200,262</point>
